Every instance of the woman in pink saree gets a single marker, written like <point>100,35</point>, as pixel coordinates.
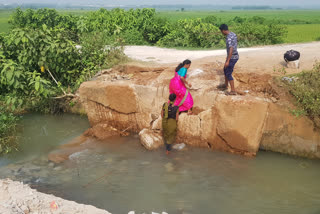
<point>178,87</point>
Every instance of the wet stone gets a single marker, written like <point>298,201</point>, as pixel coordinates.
<point>57,168</point>
<point>51,164</point>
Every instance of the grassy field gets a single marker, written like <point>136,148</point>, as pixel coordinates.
<point>4,18</point>
<point>285,16</point>
<point>303,25</point>
<point>303,33</point>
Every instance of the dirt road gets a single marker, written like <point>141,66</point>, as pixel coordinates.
<point>258,59</point>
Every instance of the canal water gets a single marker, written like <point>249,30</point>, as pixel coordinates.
<point>119,175</point>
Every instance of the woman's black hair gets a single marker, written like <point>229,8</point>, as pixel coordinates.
<point>172,97</point>
<point>185,62</point>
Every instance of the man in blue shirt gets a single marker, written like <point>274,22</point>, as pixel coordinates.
<point>232,57</point>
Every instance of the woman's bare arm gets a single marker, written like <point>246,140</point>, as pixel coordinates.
<point>185,82</point>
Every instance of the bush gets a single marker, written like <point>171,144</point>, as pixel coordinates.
<point>8,121</point>
<point>27,57</point>
<point>31,58</point>
<point>250,33</point>
<point>116,20</point>
<point>306,90</point>
<point>97,51</point>
<point>142,26</point>
<point>132,37</point>
<point>213,20</point>
<point>193,33</point>
<point>51,18</point>
<point>155,29</point>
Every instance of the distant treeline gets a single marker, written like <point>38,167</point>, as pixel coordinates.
<point>252,8</point>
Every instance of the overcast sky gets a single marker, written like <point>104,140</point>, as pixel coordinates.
<point>158,2</point>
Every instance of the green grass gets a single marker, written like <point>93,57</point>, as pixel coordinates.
<point>303,33</point>
<point>303,25</point>
<point>8,123</point>
<point>306,91</point>
<point>4,18</point>
<point>285,16</point>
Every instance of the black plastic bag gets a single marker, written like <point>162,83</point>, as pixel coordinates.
<point>291,55</point>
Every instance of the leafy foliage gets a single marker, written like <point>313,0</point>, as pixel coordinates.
<point>306,90</point>
<point>30,56</point>
<point>51,18</point>
<point>250,33</point>
<point>193,33</point>
<point>25,52</point>
<point>134,26</point>
<point>8,121</point>
<point>143,26</point>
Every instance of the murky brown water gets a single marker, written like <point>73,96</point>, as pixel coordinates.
<point>122,176</point>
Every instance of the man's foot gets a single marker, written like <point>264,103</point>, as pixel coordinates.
<point>231,93</point>
<point>222,87</point>
<point>167,152</point>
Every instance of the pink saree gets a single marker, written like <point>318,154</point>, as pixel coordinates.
<point>183,100</point>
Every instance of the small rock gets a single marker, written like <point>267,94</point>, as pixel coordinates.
<point>150,139</point>
<point>51,164</point>
<point>57,168</point>
<point>38,180</point>
<point>157,124</point>
<point>131,212</point>
<point>274,100</point>
<point>179,146</point>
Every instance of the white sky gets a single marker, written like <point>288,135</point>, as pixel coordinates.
<point>301,3</point>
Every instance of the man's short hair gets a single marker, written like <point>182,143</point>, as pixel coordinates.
<point>223,27</point>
